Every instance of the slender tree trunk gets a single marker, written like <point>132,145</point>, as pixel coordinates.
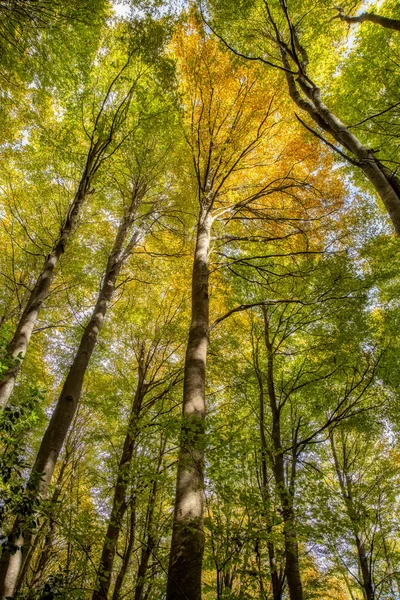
<point>346,490</point>
<point>44,557</point>
<point>119,506</point>
<point>18,345</point>
<point>285,494</point>
<point>48,537</point>
<point>276,580</point>
<point>187,545</point>
<point>127,554</point>
<point>150,543</point>
<point>64,412</point>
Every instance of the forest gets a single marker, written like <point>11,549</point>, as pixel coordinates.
<point>199,300</point>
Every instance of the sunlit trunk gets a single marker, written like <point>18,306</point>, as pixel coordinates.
<point>187,545</point>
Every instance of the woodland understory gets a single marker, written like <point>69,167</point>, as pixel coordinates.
<point>199,300</point>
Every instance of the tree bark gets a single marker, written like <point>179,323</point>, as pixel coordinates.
<point>187,545</point>
<point>44,555</point>
<point>371,17</point>
<point>66,407</point>
<point>119,505</point>
<point>18,345</point>
<point>385,181</point>
<point>347,494</point>
<point>96,155</point>
<point>285,493</point>
<point>127,554</point>
<point>150,542</point>
<point>276,579</point>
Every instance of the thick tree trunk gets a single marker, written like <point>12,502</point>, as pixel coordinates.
<point>187,545</point>
<point>119,505</point>
<point>285,493</point>
<point>18,345</point>
<point>64,411</point>
<point>347,495</point>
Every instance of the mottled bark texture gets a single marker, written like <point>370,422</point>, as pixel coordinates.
<point>187,545</point>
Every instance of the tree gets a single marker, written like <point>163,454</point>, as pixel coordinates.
<point>282,38</point>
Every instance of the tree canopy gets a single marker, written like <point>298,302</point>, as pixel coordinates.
<point>199,300</point>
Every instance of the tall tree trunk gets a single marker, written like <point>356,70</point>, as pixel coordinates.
<point>64,411</point>
<point>119,505</point>
<point>128,552</point>
<point>149,545</point>
<point>276,579</point>
<point>187,545</point>
<point>285,493</point>
<point>347,495</point>
<point>48,537</point>
<point>18,345</point>
<point>95,157</point>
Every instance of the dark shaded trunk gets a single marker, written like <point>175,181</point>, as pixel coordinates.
<point>187,545</point>
<point>64,411</point>
<point>292,568</point>
<point>347,495</point>
<point>276,577</point>
<point>127,554</point>
<point>150,543</point>
<point>119,505</point>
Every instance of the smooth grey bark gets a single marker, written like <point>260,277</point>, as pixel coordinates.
<point>67,404</point>
<point>187,544</point>
<point>372,18</point>
<point>95,157</point>
<point>284,490</point>
<point>345,484</point>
